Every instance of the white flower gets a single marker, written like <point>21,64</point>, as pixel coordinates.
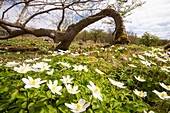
<point>141,57</point>
<point>29,60</point>
<point>30,82</point>
<point>78,107</point>
<point>162,95</point>
<point>85,54</point>
<point>75,54</point>
<point>149,54</point>
<point>140,79</point>
<point>46,60</point>
<point>24,68</point>
<point>80,68</point>
<point>160,59</point>
<point>50,72</point>
<point>98,71</point>
<point>132,65</point>
<point>59,52</point>
<point>140,93</point>
<point>95,91</point>
<point>72,90</point>
<point>11,64</point>
<point>54,88</point>
<point>62,51</point>
<point>157,49</point>
<point>167,87</point>
<point>41,66</point>
<point>151,112</point>
<point>118,84</point>
<point>165,69</point>
<point>66,80</point>
<point>130,59</point>
<point>153,63</point>
<point>148,112</point>
<point>145,62</point>
<point>36,59</point>
<point>64,64</point>
<point>133,55</point>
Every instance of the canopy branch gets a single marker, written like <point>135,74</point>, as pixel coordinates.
<point>3,14</point>
<point>42,12</point>
<point>22,12</point>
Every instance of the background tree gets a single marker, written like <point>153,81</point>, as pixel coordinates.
<point>149,39</point>
<point>96,35</point>
<point>134,39</point>
<point>83,12</point>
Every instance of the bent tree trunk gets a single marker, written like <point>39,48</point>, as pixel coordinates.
<point>119,35</point>
<point>66,38</point>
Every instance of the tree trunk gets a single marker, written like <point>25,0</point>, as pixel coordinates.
<point>119,35</point>
<point>64,45</point>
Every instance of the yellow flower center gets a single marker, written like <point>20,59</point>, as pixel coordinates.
<point>168,87</point>
<point>23,69</point>
<point>79,107</point>
<point>33,82</point>
<point>141,94</point>
<point>43,67</point>
<point>97,89</point>
<point>53,87</point>
<point>163,94</point>
<point>67,80</point>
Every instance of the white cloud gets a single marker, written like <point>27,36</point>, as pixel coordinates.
<point>152,17</point>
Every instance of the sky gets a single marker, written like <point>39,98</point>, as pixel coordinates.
<point>152,17</point>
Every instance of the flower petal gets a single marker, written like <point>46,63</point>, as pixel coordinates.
<point>26,81</point>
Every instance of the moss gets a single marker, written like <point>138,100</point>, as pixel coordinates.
<point>121,38</point>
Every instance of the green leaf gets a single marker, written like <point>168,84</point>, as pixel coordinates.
<point>30,105</point>
<point>63,109</point>
<point>141,107</point>
<point>24,105</point>
<point>16,110</point>
<point>4,106</point>
<point>51,109</point>
<point>90,111</point>
<point>44,110</point>
<point>14,94</point>
<point>120,111</point>
<point>22,111</point>
<point>116,104</point>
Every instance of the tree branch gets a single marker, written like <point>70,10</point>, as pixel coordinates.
<point>46,11</point>
<point>74,29</point>
<point>11,24</point>
<point>3,14</point>
<point>22,12</point>
<point>61,21</point>
<point>5,28</point>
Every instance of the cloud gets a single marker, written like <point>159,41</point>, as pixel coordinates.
<point>152,17</point>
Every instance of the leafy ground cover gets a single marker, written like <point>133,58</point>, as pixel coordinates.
<point>88,78</point>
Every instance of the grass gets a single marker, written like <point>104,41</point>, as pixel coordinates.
<point>113,62</point>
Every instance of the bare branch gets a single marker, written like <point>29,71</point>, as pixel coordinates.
<point>22,12</point>
<point>3,14</point>
<point>42,12</point>
<point>61,21</point>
